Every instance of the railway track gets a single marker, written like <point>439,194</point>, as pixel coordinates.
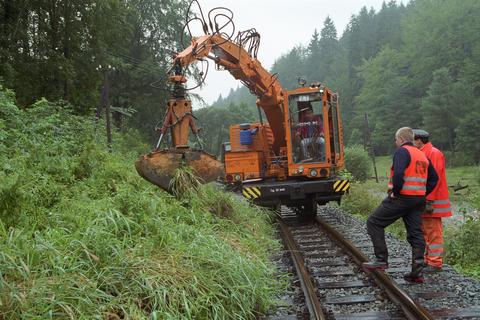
<point>334,286</point>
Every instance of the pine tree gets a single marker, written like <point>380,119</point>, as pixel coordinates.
<point>439,109</point>
<point>328,48</point>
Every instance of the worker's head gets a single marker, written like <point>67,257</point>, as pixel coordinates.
<point>303,105</point>
<point>305,110</point>
<point>420,137</point>
<point>309,114</point>
<point>403,135</point>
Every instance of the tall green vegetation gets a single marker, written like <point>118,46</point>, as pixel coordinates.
<point>82,236</point>
<point>64,49</point>
<point>406,65</point>
<point>357,163</point>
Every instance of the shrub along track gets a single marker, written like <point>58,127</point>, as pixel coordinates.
<point>334,286</point>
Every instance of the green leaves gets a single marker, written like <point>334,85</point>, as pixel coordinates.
<point>440,109</point>
<point>415,65</point>
<point>357,163</point>
<point>83,236</point>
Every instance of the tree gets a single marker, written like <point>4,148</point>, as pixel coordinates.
<point>467,134</point>
<point>328,48</point>
<point>385,97</point>
<point>439,34</point>
<point>440,110</point>
<point>54,49</point>
<point>290,67</point>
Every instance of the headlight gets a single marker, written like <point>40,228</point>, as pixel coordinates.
<point>313,172</point>
<point>323,172</point>
<point>300,169</point>
<point>237,177</point>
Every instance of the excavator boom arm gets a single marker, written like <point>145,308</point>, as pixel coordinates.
<point>246,68</point>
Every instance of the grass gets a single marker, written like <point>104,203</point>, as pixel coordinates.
<point>184,181</point>
<point>468,177</point>
<point>383,164</point>
<point>82,236</point>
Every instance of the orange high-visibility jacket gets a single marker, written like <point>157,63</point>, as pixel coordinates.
<point>439,195</point>
<point>415,174</point>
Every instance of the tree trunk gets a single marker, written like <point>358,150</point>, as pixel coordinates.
<point>66,44</point>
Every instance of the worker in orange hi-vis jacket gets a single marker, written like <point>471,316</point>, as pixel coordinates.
<point>438,204</point>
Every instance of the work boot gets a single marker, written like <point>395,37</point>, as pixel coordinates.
<point>381,255</point>
<point>432,269</point>
<point>416,275</point>
<point>378,264</point>
<point>418,264</point>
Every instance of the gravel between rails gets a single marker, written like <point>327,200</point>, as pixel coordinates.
<point>461,291</point>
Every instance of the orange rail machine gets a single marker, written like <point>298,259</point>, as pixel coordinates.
<point>293,159</point>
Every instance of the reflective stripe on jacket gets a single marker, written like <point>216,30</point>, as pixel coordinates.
<point>439,195</point>
<point>415,175</point>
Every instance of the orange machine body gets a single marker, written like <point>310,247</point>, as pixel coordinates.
<point>244,162</point>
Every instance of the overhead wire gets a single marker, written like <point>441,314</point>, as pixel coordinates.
<point>139,64</point>
<point>145,67</point>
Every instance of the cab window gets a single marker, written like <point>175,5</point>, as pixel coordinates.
<point>307,130</point>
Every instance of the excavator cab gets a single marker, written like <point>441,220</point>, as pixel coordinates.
<point>314,140</point>
<point>306,124</point>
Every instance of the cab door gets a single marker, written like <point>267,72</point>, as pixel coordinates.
<point>308,142</point>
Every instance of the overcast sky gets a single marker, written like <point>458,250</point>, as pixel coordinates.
<point>282,25</point>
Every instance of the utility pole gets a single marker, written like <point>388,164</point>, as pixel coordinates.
<point>105,103</point>
<point>369,147</point>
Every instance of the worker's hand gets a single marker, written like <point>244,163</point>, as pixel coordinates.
<point>429,207</point>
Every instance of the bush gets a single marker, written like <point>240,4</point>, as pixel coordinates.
<point>357,162</point>
<point>463,247</point>
<point>458,159</point>
<point>359,201</point>
<point>82,236</point>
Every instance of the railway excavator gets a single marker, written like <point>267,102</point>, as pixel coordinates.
<point>293,158</point>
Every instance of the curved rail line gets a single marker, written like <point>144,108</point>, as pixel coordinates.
<point>410,308</point>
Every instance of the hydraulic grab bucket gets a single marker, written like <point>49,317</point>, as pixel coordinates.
<point>158,167</point>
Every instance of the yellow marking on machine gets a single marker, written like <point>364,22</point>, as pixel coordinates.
<point>251,192</point>
<point>341,185</point>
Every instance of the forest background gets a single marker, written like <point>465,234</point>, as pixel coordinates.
<point>415,64</point>
<point>61,191</point>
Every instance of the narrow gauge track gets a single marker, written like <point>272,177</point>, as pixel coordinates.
<point>335,286</point>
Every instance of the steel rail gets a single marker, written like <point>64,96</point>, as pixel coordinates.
<point>410,307</point>
<point>311,299</point>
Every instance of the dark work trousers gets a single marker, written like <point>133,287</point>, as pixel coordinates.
<point>390,210</point>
